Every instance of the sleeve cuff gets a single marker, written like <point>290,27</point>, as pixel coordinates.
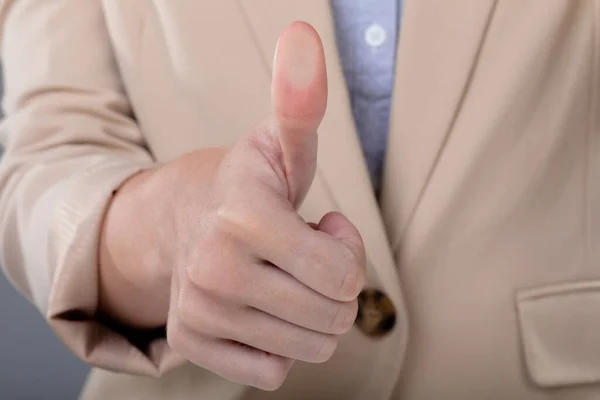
<point>73,300</point>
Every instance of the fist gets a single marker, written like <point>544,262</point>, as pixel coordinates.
<point>254,287</point>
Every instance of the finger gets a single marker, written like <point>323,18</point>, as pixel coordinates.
<point>317,259</point>
<point>228,269</point>
<point>276,293</point>
<point>299,100</point>
<point>255,283</point>
<point>234,361</point>
<point>338,226</point>
<point>213,317</point>
<point>332,266</point>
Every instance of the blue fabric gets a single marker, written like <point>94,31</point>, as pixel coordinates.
<point>368,60</point>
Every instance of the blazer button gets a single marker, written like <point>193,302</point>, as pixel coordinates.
<point>376,314</point>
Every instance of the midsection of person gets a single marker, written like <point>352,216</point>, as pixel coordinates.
<point>489,194</point>
<point>502,212</point>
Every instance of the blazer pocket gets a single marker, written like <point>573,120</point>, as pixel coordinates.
<point>560,331</point>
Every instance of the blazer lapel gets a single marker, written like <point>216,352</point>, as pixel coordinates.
<point>439,46</point>
<point>340,163</point>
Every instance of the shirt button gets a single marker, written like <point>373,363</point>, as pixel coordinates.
<point>375,35</point>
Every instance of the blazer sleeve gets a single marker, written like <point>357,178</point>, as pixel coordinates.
<point>70,141</point>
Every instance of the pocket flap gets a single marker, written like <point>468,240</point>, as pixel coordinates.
<point>560,328</point>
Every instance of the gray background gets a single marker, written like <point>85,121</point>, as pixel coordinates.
<point>34,364</point>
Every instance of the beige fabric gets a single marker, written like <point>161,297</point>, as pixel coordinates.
<point>488,238</point>
<point>560,333</point>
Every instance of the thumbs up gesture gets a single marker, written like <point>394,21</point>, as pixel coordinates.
<point>254,287</point>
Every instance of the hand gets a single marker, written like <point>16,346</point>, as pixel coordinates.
<point>256,287</point>
<point>253,286</point>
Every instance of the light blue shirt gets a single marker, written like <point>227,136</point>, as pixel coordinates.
<point>367,35</point>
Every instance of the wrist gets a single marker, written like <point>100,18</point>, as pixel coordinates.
<point>134,285</point>
<point>139,238</point>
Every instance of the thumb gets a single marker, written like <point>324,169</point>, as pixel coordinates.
<point>299,100</point>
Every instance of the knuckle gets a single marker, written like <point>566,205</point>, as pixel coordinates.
<point>218,274</point>
<point>325,349</point>
<point>207,266</point>
<point>203,259</point>
<point>355,257</point>
<point>310,249</point>
<point>215,325</point>
<point>209,276</point>
<point>187,312</point>
<point>229,220</point>
<point>213,320</point>
<point>272,378</point>
<point>228,283</point>
<point>233,284</point>
<point>201,274</point>
<point>348,289</point>
<point>223,280</point>
<point>176,336</point>
<point>322,268</point>
<point>344,318</point>
<point>200,314</point>
<point>211,328</point>
<point>353,277</point>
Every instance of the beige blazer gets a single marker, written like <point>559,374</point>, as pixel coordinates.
<point>487,241</point>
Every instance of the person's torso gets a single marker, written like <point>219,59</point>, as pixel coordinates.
<point>487,237</point>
